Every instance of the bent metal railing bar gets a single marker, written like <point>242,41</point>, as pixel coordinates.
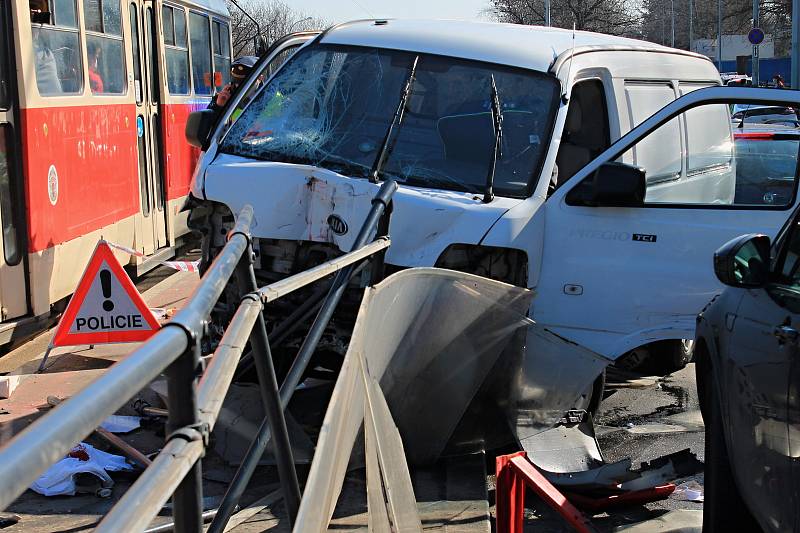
<point>147,496</point>
<point>259,443</point>
<point>193,407</point>
<point>143,500</point>
<point>48,440</point>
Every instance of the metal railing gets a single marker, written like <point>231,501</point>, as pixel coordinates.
<point>195,396</point>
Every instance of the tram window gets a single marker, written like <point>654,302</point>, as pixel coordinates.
<point>5,54</point>
<point>7,205</point>
<point>180,28</point>
<point>65,13</point>
<point>106,65</point>
<point>177,53</point>
<point>103,16</point>
<point>200,36</point>
<point>56,48</point>
<point>137,61</point>
<point>222,54</point>
<point>169,25</point>
<point>104,46</point>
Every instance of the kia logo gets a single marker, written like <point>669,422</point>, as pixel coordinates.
<point>338,226</point>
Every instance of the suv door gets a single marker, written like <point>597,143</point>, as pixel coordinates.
<point>617,274</point>
<point>760,371</point>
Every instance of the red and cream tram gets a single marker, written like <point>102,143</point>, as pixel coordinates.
<point>94,96</point>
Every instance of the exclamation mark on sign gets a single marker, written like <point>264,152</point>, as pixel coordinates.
<point>105,282</point>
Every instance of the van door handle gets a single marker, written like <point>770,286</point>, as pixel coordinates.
<point>785,333</point>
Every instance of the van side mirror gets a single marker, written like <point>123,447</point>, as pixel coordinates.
<point>198,127</point>
<point>612,185</point>
<point>743,261</point>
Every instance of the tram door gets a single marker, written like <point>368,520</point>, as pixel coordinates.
<point>147,84</point>
<point>13,283</point>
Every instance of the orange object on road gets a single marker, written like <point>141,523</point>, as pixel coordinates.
<point>514,473</point>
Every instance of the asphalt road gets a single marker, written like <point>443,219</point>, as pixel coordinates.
<point>644,419</point>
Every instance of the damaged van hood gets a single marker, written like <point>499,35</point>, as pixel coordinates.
<point>306,203</point>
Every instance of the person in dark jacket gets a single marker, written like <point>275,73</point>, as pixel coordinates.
<point>240,69</point>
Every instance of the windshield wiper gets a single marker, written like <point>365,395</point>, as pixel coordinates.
<point>389,140</point>
<point>497,152</point>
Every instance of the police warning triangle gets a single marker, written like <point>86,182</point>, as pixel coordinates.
<point>106,307</point>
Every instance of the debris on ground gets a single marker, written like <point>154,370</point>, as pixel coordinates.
<point>8,519</point>
<point>8,384</point>
<point>121,423</point>
<point>60,479</point>
<point>691,491</point>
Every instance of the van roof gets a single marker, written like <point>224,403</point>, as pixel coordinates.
<point>532,47</point>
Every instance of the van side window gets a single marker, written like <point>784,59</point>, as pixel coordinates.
<point>586,131</point>
<point>177,51</point>
<point>200,36</point>
<point>707,134</point>
<point>56,47</point>
<point>660,151</point>
<point>104,46</point>
<point>705,156</point>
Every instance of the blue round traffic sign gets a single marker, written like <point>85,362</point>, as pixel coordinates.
<point>756,36</point>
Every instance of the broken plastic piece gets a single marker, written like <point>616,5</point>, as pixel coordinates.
<point>121,424</point>
<point>616,501</point>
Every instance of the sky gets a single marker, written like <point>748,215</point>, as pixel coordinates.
<point>343,10</point>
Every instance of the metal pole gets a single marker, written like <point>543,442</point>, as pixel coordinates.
<point>691,23</point>
<point>259,444</point>
<point>756,69</point>
<point>672,14</point>
<point>719,35</point>
<point>182,401</point>
<point>265,369</point>
<point>547,13</point>
<point>795,82</point>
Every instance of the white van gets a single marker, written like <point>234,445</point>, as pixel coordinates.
<point>617,253</point>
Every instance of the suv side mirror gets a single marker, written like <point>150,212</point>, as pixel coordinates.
<point>612,185</point>
<point>743,261</point>
<point>198,127</point>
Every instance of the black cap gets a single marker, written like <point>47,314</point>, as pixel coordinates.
<point>242,67</point>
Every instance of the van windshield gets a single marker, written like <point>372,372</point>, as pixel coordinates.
<point>331,106</point>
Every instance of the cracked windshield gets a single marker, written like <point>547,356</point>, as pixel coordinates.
<point>332,106</point>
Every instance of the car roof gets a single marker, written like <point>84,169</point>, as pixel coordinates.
<point>532,47</point>
<point>761,127</point>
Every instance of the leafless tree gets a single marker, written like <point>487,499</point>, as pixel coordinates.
<point>274,17</point>
<point>617,17</point>
<point>775,18</point>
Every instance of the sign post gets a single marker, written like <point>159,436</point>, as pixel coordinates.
<point>756,37</point>
<point>105,308</point>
